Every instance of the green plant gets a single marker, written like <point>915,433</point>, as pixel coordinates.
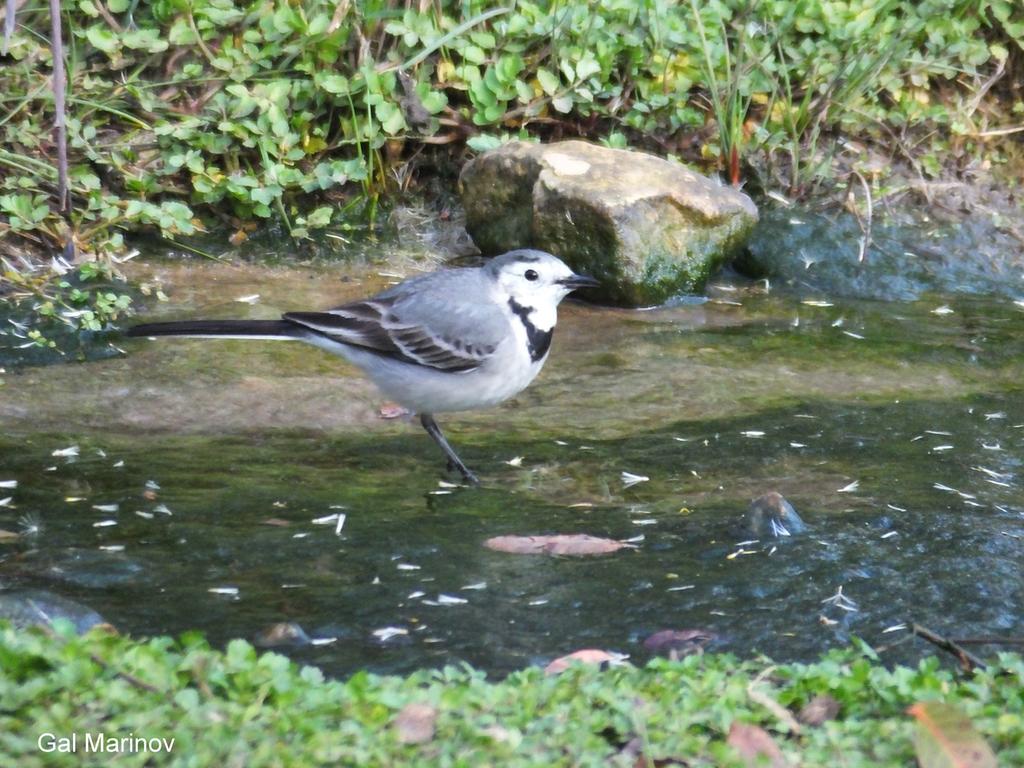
<point>239,707</point>
<point>185,115</point>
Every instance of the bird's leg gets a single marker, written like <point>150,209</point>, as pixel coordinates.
<point>453,459</point>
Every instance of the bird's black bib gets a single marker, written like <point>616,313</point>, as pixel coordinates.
<point>537,340</point>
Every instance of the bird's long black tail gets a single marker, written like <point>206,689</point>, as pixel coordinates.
<point>228,329</point>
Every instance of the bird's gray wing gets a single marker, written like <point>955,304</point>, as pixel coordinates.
<point>444,320</point>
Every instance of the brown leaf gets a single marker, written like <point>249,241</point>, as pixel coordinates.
<point>576,545</point>
<point>945,738</point>
<point>676,643</point>
<point>818,710</point>
<point>414,724</point>
<point>586,656</point>
<point>8,535</point>
<point>755,747</point>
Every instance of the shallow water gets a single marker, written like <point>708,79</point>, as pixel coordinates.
<point>896,430</point>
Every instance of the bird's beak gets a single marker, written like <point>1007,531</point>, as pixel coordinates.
<point>572,282</point>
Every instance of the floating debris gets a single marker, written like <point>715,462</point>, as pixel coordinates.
<point>817,303</point>
<point>231,591</point>
<point>8,484</point>
<point>104,523</point>
<point>250,299</point>
<point>444,599</point>
<point>890,534</point>
<point>629,479</point>
<point>31,524</point>
<point>853,335</point>
<point>738,552</point>
<point>961,494</point>
<point>681,588</point>
<point>894,628</point>
<point>386,633</point>
<point>6,502</point>
<point>994,416</point>
<point>849,488</point>
<point>839,600</point>
<point>943,310</point>
<point>326,519</point>
<point>752,433</point>
<point>478,585</point>
<point>407,567</point>
<point>516,461</point>
<point>941,448</point>
<point>106,507</point>
<point>70,451</point>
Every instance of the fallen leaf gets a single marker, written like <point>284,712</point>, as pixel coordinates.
<point>585,656</point>
<point>945,738</point>
<point>414,724</point>
<point>677,643</point>
<point>8,535</point>
<point>755,747</point>
<point>818,710</point>
<point>576,545</point>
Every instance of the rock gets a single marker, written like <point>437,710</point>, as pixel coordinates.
<point>37,607</point>
<point>772,517</point>
<point>910,254</point>
<point>647,228</point>
<point>281,635</point>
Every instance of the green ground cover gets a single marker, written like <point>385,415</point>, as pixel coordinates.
<point>238,708</point>
<point>191,115</point>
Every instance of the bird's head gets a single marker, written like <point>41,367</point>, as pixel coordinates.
<point>535,279</point>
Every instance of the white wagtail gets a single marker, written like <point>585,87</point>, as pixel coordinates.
<point>451,340</point>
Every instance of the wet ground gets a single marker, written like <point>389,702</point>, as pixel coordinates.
<point>177,484</point>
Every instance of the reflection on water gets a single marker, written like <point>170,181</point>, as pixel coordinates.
<point>208,480</point>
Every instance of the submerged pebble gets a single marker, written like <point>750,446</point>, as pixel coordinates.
<point>772,517</point>
<point>37,607</point>
<point>282,634</point>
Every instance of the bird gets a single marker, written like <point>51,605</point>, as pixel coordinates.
<point>455,339</point>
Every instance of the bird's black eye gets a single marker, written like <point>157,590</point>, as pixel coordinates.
<point>531,275</point>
